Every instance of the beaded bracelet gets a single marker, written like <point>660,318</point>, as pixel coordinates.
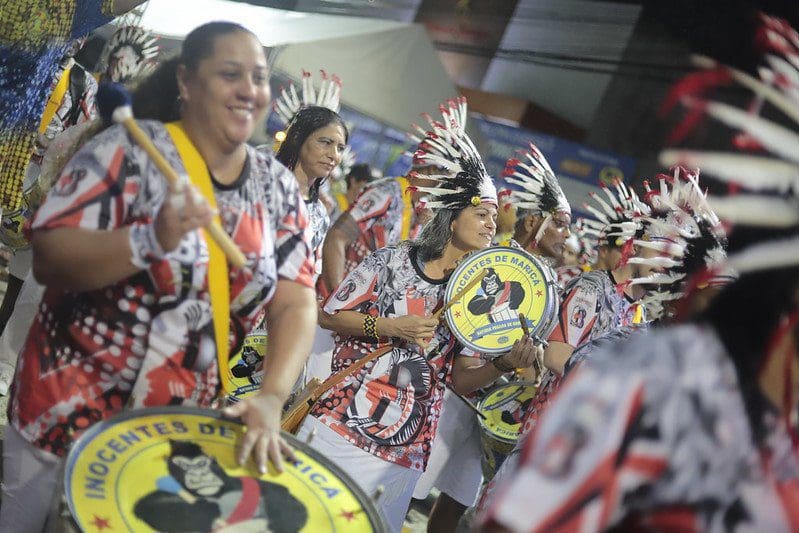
<point>370,326</point>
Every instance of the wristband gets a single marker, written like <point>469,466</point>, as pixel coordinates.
<point>370,326</point>
<point>501,365</point>
<point>144,246</point>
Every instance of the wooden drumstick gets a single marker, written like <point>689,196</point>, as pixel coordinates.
<point>115,105</point>
<point>460,294</point>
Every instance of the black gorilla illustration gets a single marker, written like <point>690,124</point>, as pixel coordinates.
<point>499,300</point>
<point>250,362</point>
<point>201,496</point>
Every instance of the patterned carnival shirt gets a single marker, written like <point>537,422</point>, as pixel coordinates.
<point>149,338</point>
<point>590,308</point>
<point>385,216</point>
<point>390,408</point>
<point>653,435</point>
<point>318,224</point>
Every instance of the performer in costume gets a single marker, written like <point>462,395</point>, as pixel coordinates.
<point>360,175</point>
<point>34,37</point>
<point>693,425</point>
<point>381,421</point>
<point>585,246</point>
<point>137,328</point>
<point>316,138</point>
<point>129,55</point>
<point>543,215</point>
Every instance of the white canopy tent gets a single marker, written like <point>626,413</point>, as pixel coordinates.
<point>390,70</point>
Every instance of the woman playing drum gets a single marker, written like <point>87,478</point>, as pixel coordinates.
<point>381,421</point>
<point>127,318</point>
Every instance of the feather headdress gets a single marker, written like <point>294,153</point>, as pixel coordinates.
<point>618,219</point>
<point>463,180</point>
<point>129,53</point>
<point>770,185</point>
<point>540,191</point>
<point>289,102</point>
<point>687,234</point>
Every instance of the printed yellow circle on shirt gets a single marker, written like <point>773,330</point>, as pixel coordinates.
<point>172,468</point>
<point>486,318</point>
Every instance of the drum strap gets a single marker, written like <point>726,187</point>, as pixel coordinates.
<point>54,102</point>
<point>341,200</point>
<point>218,282</point>
<point>248,504</point>
<point>407,208</point>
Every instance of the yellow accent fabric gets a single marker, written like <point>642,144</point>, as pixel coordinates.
<point>407,210</point>
<point>341,200</point>
<point>218,283</point>
<point>638,317</point>
<point>55,100</point>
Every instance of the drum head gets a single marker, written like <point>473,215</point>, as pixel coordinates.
<point>504,407</point>
<point>486,319</point>
<point>174,469</point>
<point>246,367</point>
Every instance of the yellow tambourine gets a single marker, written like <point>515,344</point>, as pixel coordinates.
<point>486,318</point>
<point>175,469</point>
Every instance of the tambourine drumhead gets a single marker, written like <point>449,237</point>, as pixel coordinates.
<point>486,319</point>
<point>173,468</point>
<point>246,367</point>
<point>504,407</point>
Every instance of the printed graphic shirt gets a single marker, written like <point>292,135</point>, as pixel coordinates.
<point>319,223</point>
<point>381,211</point>
<point>151,333</point>
<point>655,437</point>
<point>391,407</point>
<point>591,306</point>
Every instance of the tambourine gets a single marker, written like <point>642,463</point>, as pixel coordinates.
<point>486,318</point>
<point>175,469</point>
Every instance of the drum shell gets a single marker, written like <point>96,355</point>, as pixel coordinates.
<point>498,445</point>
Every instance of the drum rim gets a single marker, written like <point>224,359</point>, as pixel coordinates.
<point>376,517</point>
<point>544,327</point>
<point>480,420</point>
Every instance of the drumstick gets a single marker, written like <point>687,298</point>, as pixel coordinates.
<point>461,293</point>
<point>467,402</point>
<point>115,105</point>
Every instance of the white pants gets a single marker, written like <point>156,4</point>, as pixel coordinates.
<point>321,358</point>
<point>369,471</point>
<point>30,479</point>
<point>454,466</point>
<point>13,337</point>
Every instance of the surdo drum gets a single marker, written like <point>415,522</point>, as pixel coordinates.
<point>174,469</point>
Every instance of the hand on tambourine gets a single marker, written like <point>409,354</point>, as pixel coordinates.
<point>183,210</point>
<point>412,328</point>
<point>261,414</point>
<point>523,353</point>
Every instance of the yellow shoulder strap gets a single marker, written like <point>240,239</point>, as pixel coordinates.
<point>54,102</point>
<point>218,283</point>
<point>407,208</point>
<point>638,315</point>
<point>341,199</point>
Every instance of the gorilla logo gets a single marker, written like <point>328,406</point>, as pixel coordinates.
<point>498,299</point>
<point>199,495</point>
<point>247,367</point>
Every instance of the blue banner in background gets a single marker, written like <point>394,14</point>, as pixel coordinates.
<point>579,168</point>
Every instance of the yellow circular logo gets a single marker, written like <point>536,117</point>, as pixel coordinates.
<point>504,407</point>
<point>246,368</point>
<point>608,175</point>
<point>174,469</point>
<point>486,318</point>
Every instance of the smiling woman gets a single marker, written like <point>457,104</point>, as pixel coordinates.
<point>131,312</point>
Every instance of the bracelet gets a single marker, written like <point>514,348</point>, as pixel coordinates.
<point>144,246</point>
<point>370,326</point>
<point>501,365</point>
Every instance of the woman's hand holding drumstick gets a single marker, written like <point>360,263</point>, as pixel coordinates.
<point>186,209</point>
